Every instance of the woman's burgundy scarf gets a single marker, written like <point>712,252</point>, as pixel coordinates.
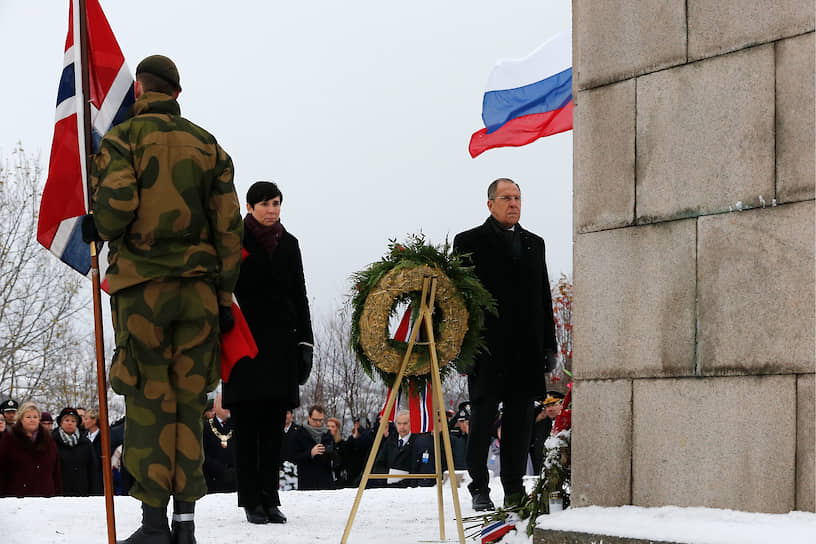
<point>268,237</point>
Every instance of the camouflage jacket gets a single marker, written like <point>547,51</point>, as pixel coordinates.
<point>165,199</point>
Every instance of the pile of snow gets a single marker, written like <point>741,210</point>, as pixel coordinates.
<point>687,525</point>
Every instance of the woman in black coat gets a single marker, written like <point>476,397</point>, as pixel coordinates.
<point>80,470</point>
<point>271,292</point>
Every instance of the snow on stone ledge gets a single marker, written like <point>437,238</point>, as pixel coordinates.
<point>688,525</point>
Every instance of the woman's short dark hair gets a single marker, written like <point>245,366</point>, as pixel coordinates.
<point>262,191</point>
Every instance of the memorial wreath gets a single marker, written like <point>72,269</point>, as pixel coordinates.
<point>460,301</point>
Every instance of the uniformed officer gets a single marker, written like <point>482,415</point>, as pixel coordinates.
<point>165,201</point>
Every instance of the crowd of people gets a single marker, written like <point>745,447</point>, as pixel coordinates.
<point>36,460</point>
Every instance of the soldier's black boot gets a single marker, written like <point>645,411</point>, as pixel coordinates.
<point>183,526</point>
<point>154,529</point>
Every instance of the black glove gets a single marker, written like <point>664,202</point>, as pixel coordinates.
<point>225,319</point>
<point>305,363</point>
<point>89,232</point>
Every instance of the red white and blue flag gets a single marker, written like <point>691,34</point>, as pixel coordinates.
<point>420,405</point>
<point>528,98</point>
<point>110,93</point>
<point>494,531</point>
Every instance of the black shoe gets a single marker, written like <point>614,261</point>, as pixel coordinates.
<point>154,529</point>
<point>512,500</point>
<point>274,514</point>
<point>482,502</point>
<point>256,514</point>
<point>182,530</point>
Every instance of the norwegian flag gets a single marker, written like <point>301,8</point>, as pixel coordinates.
<point>421,407</point>
<point>110,93</point>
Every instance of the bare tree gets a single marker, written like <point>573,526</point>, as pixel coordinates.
<point>338,382</point>
<point>40,297</point>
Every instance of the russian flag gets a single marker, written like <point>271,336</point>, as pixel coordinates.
<point>110,93</point>
<point>528,98</point>
<point>493,532</point>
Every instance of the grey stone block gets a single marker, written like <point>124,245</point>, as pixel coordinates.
<point>635,301</point>
<point>727,25</point>
<point>617,40</point>
<point>705,136</point>
<point>715,442</point>
<point>604,157</point>
<point>795,118</point>
<point>756,282</point>
<point>806,443</point>
<point>601,442</point>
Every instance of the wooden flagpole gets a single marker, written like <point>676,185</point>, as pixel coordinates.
<point>101,381</point>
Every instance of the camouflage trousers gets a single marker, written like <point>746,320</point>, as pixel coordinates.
<point>166,361</point>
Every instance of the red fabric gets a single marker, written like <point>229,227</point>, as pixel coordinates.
<point>236,344</point>
<point>522,130</point>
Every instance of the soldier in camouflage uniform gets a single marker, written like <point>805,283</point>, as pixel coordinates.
<point>165,201</point>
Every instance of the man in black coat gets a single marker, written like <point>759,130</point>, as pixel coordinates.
<point>313,452</point>
<point>521,345</point>
<point>404,452</point>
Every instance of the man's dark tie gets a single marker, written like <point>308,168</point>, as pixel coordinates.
<point>400,442</point>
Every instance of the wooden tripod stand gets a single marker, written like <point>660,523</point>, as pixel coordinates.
<point>440,421</point>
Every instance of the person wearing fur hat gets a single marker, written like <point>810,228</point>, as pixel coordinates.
<point>80,472</point>
<point>546,411</point>
<point>29,464</point>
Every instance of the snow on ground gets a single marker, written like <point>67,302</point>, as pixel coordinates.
<point>394,516</point>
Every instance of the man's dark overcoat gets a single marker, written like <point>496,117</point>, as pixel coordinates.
<point>521,336</point>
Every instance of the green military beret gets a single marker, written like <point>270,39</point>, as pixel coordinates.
<point>160,66</point>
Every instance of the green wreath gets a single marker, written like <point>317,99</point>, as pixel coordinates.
<point>459,307</point>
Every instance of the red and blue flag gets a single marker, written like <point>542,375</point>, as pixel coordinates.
<point>527,99</point>
<point>110,93</point>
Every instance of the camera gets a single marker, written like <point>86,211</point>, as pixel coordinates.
<point>328,441</point>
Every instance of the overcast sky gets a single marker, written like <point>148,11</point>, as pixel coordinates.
<point>361,111</point>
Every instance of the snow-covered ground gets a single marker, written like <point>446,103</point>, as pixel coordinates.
<point>394,516</point>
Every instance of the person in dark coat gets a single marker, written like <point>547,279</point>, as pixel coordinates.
<point>78,464</point>
<point>510,262</point>
<point>122,480</point>
<point>313,452</point>
<point>271,292</point>
<point>219,450</point>
<point>29,464</point>
<point>545,415</point>
<point>404,452</point>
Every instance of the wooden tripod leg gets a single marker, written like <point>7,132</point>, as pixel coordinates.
<point>437,391</point>
<point>381,428</point>
<point>438,410</point>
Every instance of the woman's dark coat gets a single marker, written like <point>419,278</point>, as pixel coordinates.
<point>271,292</point>
<point>29,468</point>
<point>80,469</point>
